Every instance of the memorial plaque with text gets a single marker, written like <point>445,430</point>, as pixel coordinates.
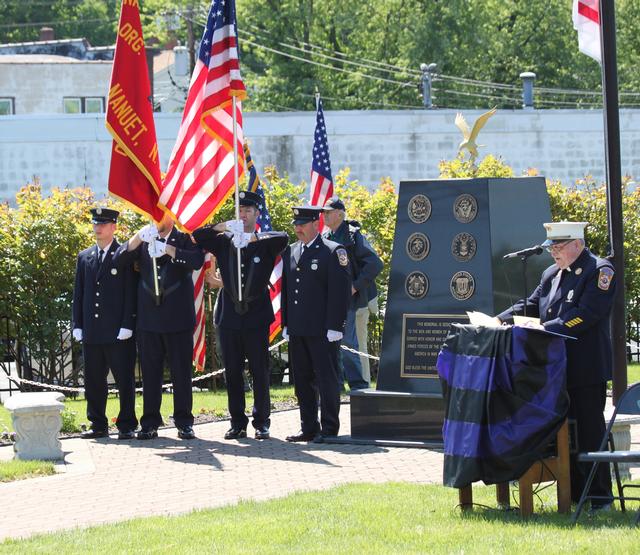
<point>422,337</point>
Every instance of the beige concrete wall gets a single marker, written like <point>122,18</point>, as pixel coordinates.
<point>40,87</point>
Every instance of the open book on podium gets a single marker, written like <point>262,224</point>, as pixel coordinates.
<point>482,319</point>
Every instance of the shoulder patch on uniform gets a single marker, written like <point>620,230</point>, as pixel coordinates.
<point>343,259</point>
<point>605,277</point>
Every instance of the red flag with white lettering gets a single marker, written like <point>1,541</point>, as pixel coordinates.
<point>134,175</point>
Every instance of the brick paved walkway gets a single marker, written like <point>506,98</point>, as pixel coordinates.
<point>107,480</point>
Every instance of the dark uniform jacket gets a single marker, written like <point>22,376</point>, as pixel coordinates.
<point>176,311</point>
<point>579,306</point>
<point>365,263</point>
<point>104,299</point>
<point>316,287</point>
<point>257,259</point>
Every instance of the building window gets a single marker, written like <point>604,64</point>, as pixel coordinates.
<point>83,105</point>
<point>7,107</point>
<point>72,105</point>
<point>94,105</point>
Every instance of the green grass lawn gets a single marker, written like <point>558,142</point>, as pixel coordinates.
<point>206,402</point>
<point>19,470</point>
<point>357,518</point>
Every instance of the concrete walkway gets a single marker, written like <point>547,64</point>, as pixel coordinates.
<point>106,480</point>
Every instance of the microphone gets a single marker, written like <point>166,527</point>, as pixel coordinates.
<point>525,253</point>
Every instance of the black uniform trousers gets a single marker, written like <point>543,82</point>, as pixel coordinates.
<point>120,357</point>
<point>586,405</point>
<point>314,361</point>
<point>177,349</point>
<point>252,344</point>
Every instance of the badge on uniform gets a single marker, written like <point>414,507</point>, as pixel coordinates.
<point>314,264</point>
<point>343,259</point>
<point>605,277</point>
<point>570,296</point>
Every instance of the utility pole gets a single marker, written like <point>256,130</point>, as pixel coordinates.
<point>190,39</point>
<point>428,72</point>
<point>614,191</point>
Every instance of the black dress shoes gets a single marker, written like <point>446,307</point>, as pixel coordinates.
<point>149,433</point>
<point>262,433</point>
<point>94,434</point>
<point>301,436</point>
<point>186,432</point>
<point>235,433</point>
<point>126,434</point>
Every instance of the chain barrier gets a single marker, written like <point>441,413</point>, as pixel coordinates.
<point>54,387</point>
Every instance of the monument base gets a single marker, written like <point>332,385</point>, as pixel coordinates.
<point>396,416</point>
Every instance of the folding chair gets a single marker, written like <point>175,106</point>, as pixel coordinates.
<point>629,403</point>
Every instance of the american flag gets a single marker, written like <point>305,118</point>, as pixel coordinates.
<point>321,180</point>
<point>199,333</point>
<point>200,175</point>
<point>586,20</point>
<point>264,224</point>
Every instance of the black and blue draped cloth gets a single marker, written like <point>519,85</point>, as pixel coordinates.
<point>505,399</point>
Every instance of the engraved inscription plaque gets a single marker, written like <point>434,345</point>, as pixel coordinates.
<point>422,337</point>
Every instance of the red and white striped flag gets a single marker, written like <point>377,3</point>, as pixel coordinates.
<point>199,333</point>
<point>200,175</point>
<point>586,20</point>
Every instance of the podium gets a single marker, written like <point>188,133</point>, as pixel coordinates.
<point>505,401</point>
<point>555,467</point>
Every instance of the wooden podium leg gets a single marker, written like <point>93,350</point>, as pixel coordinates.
<point>563,473</point>
<point>502,495</point>
<point>526,497</point>
<point>465,498</point>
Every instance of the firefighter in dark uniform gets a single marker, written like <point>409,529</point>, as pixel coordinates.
<point>574,297</point>
<point>165,321</point>
<point>365,266</point>
<point>316,293</point>
<point>243,325</point>
<point>104,307</point>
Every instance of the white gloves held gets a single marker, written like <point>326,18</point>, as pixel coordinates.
<point>148,233</point>
<point>157,248</point>
<point>77,334</point>
<point>124,334</point>
<point>333,335</point>
<point>239,238</point>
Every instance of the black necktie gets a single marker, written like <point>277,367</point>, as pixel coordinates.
<point>100,255</point>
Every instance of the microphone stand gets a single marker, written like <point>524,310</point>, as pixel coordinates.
<point>524,281</point>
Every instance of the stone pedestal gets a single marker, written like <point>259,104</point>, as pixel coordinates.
<point>37,421</point>
<point>622,439</point>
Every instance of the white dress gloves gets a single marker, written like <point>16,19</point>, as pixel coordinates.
<point>333,335</point>
<point>124,334</point>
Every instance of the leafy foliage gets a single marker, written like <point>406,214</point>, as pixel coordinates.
<point>367,54</point>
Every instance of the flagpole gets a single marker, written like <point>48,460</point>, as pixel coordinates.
<point>237,186</point>
<point>614,191</point>
<point>156,288</point>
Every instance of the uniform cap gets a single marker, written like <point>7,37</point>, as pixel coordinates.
<point>334,203</point>
<point>101,215</point>
<point>249,198</point>
<point>558,232</point>
<point>306,214</point>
